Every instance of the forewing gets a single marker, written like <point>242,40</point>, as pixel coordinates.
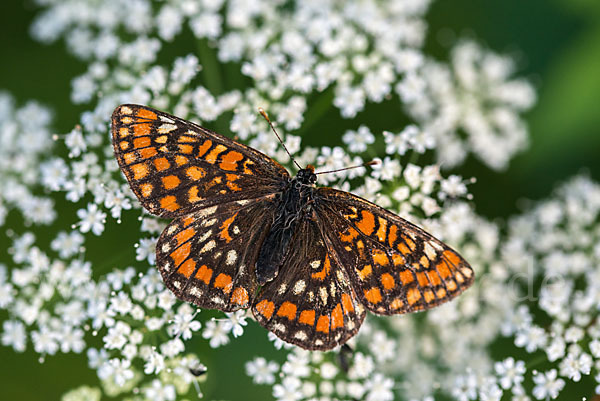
<point>395,266</point>
<point>174,166</point>
<point>311,303</point>
<point>207,257</point>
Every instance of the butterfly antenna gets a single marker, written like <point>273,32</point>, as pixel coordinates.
<point>264,114</point>
<point>371,163</point>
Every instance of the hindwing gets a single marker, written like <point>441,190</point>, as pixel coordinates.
<point>206,257</point>
<point>174,166</point>
<point>395,266</point>
<point>311,303</point>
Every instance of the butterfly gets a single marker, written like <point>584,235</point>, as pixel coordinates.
<point>309,261</point>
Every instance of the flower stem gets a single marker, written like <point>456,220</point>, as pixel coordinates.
<point>316,111</point>
<point>210,68</point>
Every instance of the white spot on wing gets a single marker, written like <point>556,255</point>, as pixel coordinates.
<point>236,230</point>
<point>166,119</point>
<point>207,211</point>
<point>300,335</point>
<point>429,251</point>
<point>195,291</point>
<point>166,128</point>
<point>332,289</point>
<point>299,287</point>
<point>279,327</point>
<point>323,295</point>
<point>165,248</point>
<point>204,236</point>
<point>177,284</point>
<point>172,229</point>
<point>209,246</point>
<point>315,264</point>
<point>282,289</point>
<point>231,257</point>
<point>243,202</point>
<point>436,245</point>
<point>208,223</point>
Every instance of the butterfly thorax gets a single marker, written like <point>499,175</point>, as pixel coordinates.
<point>292,203</point>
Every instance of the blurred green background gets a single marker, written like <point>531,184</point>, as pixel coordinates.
<point>557,47</point>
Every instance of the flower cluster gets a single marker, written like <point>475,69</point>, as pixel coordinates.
<point>25,140</point>
<point>471,105</point>
<point>297,61</point>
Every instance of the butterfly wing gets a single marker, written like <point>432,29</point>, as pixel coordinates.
<point>395,267</point>
<point>174,166</point>
<point>207,257</point>
<point>311,303</point>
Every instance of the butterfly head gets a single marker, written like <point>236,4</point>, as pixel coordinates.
<point>307,175</point>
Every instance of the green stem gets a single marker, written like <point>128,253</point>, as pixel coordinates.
<point>414,156</point>
<point>211,71</point>
<point>316,111</point>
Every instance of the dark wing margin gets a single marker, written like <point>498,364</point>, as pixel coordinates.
<point>395,267</point>
<point>174,166</point>
<point>311,303</point>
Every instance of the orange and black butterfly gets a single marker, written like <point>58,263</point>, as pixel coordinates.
<point>309,261</point>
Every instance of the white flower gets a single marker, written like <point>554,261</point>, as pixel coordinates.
<point>328,371</point>
<point>67,244</point>
<point>395,144</point>
<point>349,100</point>
<point>155,363</point>
<point>510,372</point>
<point>184,324</point>
<point>465,387</point>
<point>216,331</point>
<point>72,340</point>
<point>13,335</point>
<point>261,371</point>
<point>358,140</point>
<point>453,186</point>
<point>54,174</point>
<point>531,338</point>
<point>236,322</point>
<point>146,249</point>
<point>160,391</point>
<point>387,169</point>
<point>382,347</point>
<point>121,303</point>
<point>412,175</point>
<point>116,337</point>
<point>297,364</point>
<point>166,300</point>
<point>91,219</point>
<point>379,388</point>
<point>116,201</point>
<point>288,390</point>
<point>45,341</point>
<point>573,366</point>
<point>362,366</point>
<point>547,385</point>
<point>172,348</point>
<point>119,369</point>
